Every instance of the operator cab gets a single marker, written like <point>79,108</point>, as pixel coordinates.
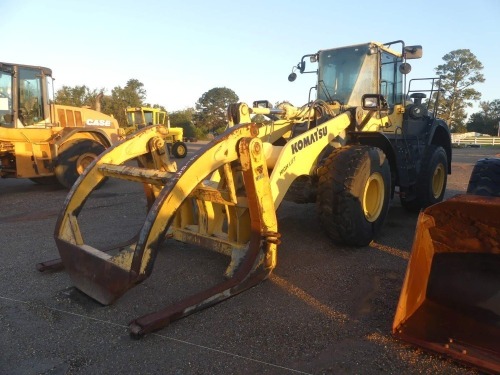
<point>141,117</point>
<point>347,74</point>
<point>24,93</point>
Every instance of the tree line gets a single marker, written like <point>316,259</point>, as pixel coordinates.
<point>459,74</point>
<point>208,116</point>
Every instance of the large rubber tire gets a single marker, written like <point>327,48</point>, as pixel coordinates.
<point>179,150</point>
<point>353,194</point>
<point>431,180</point>
<point>74,158</point>
<point>485,178</point>
<point>302,190</point>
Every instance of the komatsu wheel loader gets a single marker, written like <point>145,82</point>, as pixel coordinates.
<point>140,117</point>
<point>362,140</point>
<point>42,141</point>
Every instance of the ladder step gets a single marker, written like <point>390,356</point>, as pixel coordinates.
<point>124,172</point>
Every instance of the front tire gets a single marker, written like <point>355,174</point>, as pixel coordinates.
<point>75,157</point>
<point>353,194</point>
<point>179,150</point>
<point>431,180</point>
<point>485,178</point>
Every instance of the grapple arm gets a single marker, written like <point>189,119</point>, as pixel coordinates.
<point>220,200</point>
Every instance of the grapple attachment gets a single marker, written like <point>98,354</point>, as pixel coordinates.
<point>219,200</point>
<point>450,300</point>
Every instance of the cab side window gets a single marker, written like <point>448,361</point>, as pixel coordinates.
<point>30,97</point>
<point>391,84</point>
<point>6,115</point>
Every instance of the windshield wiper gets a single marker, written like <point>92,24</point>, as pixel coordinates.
<point>329,97</point>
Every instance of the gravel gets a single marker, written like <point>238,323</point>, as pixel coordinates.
<point>325,310</point>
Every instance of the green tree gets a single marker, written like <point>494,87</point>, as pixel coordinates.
<point>211,109</point>
<point>460,72</point>
<point>487,120</point>
<point>184,119</point>
<point>77,96</point>
<point>132,95</point>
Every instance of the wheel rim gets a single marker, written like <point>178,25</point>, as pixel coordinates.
<point>438,181</point>
<point>373,197</point>
<point>84,161</point>
<point>181,150</point>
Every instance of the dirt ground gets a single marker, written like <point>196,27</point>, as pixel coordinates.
<point>325,310</point>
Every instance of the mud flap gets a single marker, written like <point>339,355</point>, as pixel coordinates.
<point>450,300</point>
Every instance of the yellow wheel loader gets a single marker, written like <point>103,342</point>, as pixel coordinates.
<point>42,141</point>
<point>140,117</point>
<point>450,300</point>
<point>362,140</point>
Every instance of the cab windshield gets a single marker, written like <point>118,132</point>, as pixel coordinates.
<point>134,118</point>
<point>144,117</point>
<point>346,74</point>
<point>148,116</point>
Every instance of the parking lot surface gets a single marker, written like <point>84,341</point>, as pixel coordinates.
<point>325,310</point>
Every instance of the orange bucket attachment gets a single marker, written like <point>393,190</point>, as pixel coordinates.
<point>450,300</point>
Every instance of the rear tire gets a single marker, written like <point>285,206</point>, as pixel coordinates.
<point>75,157</point>
<point>353,194</point>
<point>431,180</point>
<point>485,178</point>
<point>179,150</point>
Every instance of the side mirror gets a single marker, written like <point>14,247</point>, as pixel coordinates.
<point>373,102</point>
<point>413,52</point>
<point>302,66</point>
<point>405,68</point>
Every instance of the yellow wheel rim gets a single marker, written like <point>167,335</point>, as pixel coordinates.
<point>84,161</point>
<point>373,197</point>
<point>181,150</point>
<point>438,180</point>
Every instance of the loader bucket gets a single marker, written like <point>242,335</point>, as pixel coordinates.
<point>450,300</point>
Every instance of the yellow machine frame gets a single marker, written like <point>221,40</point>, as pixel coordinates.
<point>139,117</point>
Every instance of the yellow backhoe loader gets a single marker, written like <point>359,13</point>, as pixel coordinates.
<point>140,117</point>
<point>42,141</point>
<point>450,300</point>
<point>363,139</point>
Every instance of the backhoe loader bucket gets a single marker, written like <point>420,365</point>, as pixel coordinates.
<point>450,300</point>
<point>219,200</point>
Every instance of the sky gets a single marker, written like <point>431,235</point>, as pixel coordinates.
<point>181,49</point>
